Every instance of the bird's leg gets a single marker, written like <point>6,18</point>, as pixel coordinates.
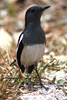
<point>40,78</point>
<point>28,81</point>
<point>27,75</point>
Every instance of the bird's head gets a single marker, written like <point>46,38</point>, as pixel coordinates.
<point>34,13</point>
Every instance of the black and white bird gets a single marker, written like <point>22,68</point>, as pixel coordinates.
<point>31,42</point>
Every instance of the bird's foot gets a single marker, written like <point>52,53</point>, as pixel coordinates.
<point>29,85</point>
<point>42,86</point>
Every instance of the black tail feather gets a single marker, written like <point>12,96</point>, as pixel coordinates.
<point>30,69</point>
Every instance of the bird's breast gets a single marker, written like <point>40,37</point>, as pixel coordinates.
<point>32,54</point>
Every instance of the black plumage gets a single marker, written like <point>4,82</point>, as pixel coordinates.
<point>31,42</point>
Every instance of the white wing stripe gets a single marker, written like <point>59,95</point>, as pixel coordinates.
<point>20,38</point>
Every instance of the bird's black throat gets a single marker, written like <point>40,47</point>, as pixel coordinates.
<point>34,34</point>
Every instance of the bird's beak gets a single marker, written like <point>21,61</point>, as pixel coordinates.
<point>44,8</point>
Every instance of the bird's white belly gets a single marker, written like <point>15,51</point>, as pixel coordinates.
<point>32,54</point>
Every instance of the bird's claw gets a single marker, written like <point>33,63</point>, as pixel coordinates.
<point>46,88</point>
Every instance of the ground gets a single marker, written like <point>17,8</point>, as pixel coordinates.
<point>52,67</point>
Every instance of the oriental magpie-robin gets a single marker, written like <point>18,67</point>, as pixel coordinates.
<point>31,42</point>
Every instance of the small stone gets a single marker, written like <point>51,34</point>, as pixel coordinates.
<point>5,39</point>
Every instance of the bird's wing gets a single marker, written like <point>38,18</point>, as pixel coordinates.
<point>21,42</point>
<point>20,38</point>
<point>19,50</point>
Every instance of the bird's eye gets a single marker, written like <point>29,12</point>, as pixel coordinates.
<point>32,10</point>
